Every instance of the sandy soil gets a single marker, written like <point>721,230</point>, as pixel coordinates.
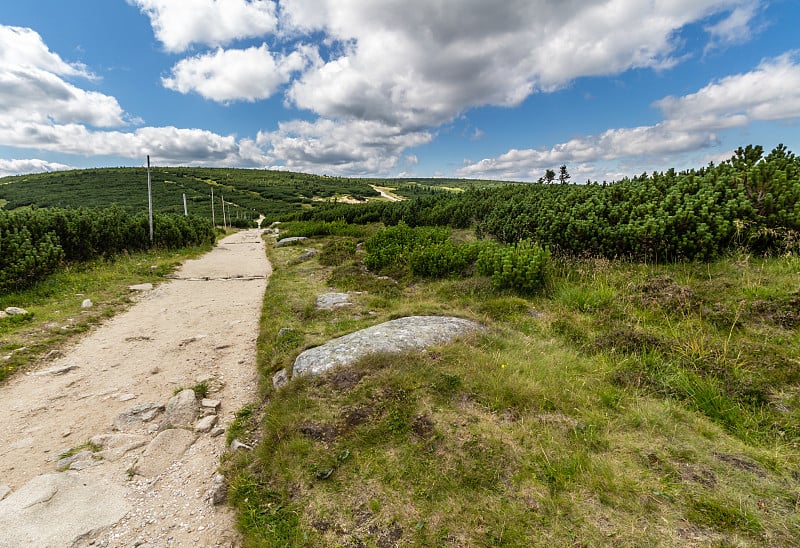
<point>201,325</point>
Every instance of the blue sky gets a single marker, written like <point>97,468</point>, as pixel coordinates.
<point>414,88</point>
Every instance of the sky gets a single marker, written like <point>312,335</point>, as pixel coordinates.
<point>397,88</point>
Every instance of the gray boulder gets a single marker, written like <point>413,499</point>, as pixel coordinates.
<point>401,335</point>
<point>290,241</point>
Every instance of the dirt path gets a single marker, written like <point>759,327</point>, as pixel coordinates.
<point>200,326</point>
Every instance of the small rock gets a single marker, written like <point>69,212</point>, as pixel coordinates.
<point>236,444</point>
<point>4,491</point>
<point>181,410</point>
<point>309,254</point>
<point>56,370</point>
<point>15,311</point>
<point>68,462</point>
<point>3,314</point>
<point>283,331</point>
<point>53,354</point>
<point>66,433</point>
<point>219,490</point>
<point>127,397</point>
<point>280,379</point>
<point>87,303</point>
<point>205,424</point>
<point>210,404</point>
<point>218,431</point>
<point>155,370</point>
<point>141,287</point>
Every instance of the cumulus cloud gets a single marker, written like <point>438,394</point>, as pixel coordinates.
<point>178,24</point>
<point>769,92</point>
<point>33,165</point>
<point>168,144</point>
<point>231,75</point>
<point>421,65</point>
<point>33,85</point>
<point>348,148</point>
<point>414,65</point>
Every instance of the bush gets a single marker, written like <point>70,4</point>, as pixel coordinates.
<point>521,267</point>
<point>393,245</point>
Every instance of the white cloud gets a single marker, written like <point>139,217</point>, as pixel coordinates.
<point>40,110</point>
<point>736,28</point>
<point>24,48</point>
<point>32,85</point>
<point>33,165</point>
<point>180,23</point>
<point>350,148</point>
<point>231,75</point>
<point>167,145</point>
<point>414,65</point>
<point>420,65</point>
<point>770,92</point>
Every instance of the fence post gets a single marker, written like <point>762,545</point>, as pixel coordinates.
<point>149,199</point>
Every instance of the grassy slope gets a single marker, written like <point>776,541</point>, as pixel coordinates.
<point>634,404</point>
<point>249,191</point>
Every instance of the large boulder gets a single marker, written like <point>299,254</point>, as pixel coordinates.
<point>400,335</point>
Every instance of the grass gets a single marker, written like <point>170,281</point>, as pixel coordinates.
<point>55,316</point>
<point>632,404</point>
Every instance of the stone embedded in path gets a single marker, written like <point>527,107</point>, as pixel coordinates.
<point>141,287</point>
<point>136,416</point>
<point>115,446</point>
<point>56,370</point>
<point>87,303</point>
<point>205,424</point>
<point>181,411</point>
<point>15,311</point>
<point>164,450</point>
<point>401,335</point>
<point>59,510</point>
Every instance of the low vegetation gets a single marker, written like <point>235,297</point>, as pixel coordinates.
<point>36,242</point>
<point>620,403</point>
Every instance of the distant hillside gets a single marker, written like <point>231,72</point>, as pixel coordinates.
<point>250,192</point>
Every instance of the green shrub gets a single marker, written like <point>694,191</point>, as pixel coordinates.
<point>393,245</point>
<point>521,267</point>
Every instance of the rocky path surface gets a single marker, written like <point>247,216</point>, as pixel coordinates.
<point>146,479</point>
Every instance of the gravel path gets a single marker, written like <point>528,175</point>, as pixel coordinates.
<point>201,325</point>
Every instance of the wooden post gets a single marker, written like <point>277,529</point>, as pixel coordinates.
<point>213,220</point>
<point>149,199</point>
<point>224,224</point>
<point>185,209</point>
